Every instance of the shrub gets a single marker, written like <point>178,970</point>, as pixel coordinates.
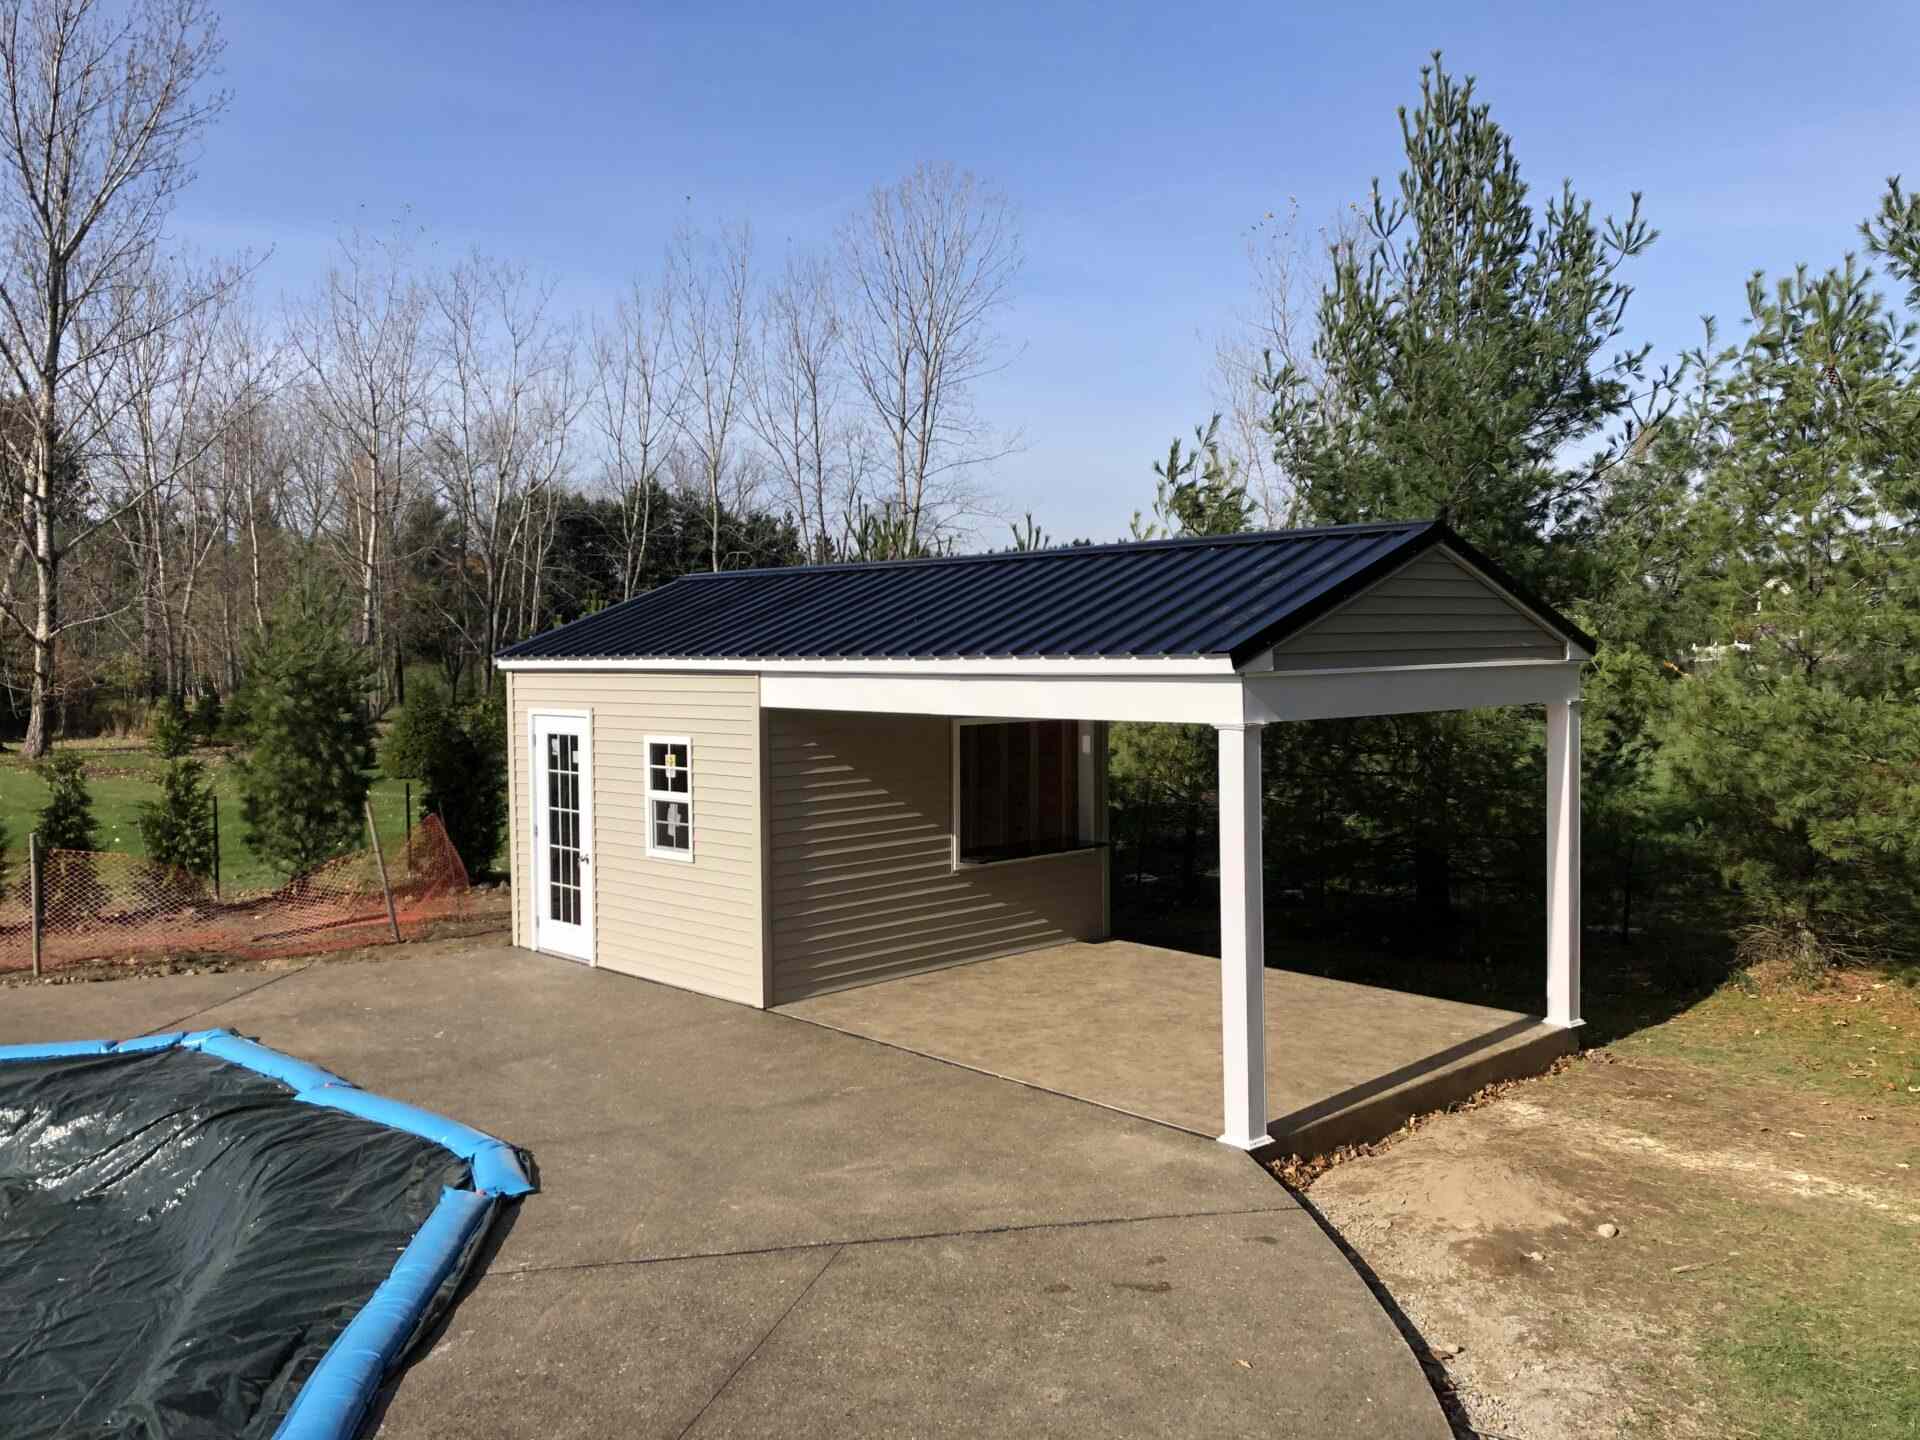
<point>178,827</point>
<point>169,731</point>
<point>418,734</point>
<point>71,881</point>
<point>206,716</point>
<point>66,821</point>
<point>459,754</point>
<point>5,859</point>
<point>303,781</point>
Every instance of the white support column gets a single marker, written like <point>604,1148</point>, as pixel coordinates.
<point>1243,950</point>
<point>1563,863</point>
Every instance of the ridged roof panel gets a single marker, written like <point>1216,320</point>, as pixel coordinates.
<point>1228,596</point>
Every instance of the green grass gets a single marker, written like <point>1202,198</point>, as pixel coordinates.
<point>1858,1037</point>
<point>122,779</point>
<point>1797,1373</point>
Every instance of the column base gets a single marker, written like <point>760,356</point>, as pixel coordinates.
<point>1249,1145</point>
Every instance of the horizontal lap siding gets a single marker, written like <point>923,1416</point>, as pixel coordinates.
<point>860,863</point>
<point>1434,611</point>
<point>696,926</point>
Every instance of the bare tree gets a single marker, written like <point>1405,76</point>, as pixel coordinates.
<point>99,116</point>
<point>711,283</point>
<point>498,433</point>
<point>795,404</point>
<point>360,343</point>
<point>156,454</point>
<point>1287,270</point>
<point>634,406</point>
<point>927,266</point>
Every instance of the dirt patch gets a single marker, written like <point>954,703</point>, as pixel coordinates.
<point>1485,1226</point>
<point>149,967</point>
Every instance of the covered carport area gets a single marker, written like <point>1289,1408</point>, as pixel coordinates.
<point>1392,620</point>
<point>1304,1062</point>
<point>1136,1028</point>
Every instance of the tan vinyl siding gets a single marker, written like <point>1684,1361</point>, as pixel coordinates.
<point>860,871</point>
<point>694,925</point>
<point>1433,612</point>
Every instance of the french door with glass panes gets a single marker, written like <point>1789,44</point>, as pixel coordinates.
<point>562,812</point>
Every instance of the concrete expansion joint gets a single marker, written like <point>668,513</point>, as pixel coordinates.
<point>758,1345</point>
<point>802,1246</point>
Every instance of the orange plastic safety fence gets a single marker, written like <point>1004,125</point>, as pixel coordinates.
<point>102,906</point>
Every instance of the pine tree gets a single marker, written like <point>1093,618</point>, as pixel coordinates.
<point>178,827</point>
<point>66,821</point>
<point>303,780</point>
<point>70,877</point>
<point>459,755</point>
<point>1462,340</point>
<point>1796,736</point>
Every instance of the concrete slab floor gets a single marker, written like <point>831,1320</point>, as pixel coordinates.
<point>1137,1028</point>
<point>751,1226</point>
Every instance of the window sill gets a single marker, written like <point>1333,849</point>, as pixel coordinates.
<point>999,861</point>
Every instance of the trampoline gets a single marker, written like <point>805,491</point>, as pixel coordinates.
<point>202,1237</point>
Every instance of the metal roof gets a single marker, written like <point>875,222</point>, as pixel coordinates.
<point>1212,596</point>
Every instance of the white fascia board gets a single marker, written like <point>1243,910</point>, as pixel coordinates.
<point>1205,700</point>
<point>1408,690</point>
<point>1142,667</point>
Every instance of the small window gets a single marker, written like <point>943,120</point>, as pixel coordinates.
<point>669,797</point>
<point>1018,789</point>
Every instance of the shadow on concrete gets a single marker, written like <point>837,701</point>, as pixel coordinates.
<point>1307,1116</point>
<point>421,1344</point>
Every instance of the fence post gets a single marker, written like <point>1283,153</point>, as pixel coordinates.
<point>216,846</point>
<point>373,838</point>
<point>34,899</point>
<point>407,786</point>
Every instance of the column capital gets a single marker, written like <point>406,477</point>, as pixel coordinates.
<point>1242,725</point>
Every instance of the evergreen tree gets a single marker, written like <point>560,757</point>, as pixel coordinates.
<point>178,827</point>
<point>66,821</point>
<point>206,716</point>
<point>459,755</point>
<point>1463,342</point>
<point>71,878</point>
<point>303,779</point>
<point>1197,492</point>
<point>1796,736</point>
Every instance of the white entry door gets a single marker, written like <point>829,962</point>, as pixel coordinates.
<point>563,835</point>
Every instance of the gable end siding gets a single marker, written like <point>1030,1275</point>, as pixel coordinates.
<point>1433,611</point>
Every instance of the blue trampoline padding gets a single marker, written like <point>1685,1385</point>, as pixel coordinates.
<point>335,1397</point>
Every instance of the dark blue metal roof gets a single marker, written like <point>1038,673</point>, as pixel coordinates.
<point>1226,595</point>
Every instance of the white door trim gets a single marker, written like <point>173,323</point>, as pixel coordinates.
<point>574,942</point>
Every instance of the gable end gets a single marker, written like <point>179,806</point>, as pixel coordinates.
<point>1434,610</point>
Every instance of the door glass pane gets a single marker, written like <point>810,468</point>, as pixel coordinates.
<point>564,899</point>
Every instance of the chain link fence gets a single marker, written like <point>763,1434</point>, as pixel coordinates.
<point>103,906</point>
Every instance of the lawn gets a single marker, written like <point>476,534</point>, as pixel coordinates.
<point>123,777</point>
<point>1758,1149</point>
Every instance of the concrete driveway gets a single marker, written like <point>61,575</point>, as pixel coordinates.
<point>750,1225</point>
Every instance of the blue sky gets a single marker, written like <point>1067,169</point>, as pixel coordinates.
<point>1139,143</point>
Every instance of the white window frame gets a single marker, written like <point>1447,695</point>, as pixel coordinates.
<point>654,851</point>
